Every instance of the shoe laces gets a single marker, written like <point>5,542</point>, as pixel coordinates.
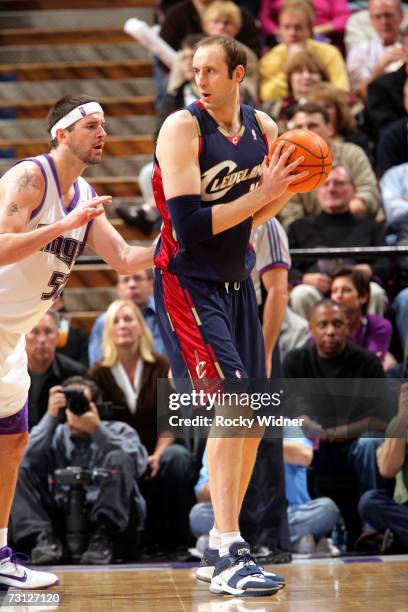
<point>17,558</point>
<point>250,565</point>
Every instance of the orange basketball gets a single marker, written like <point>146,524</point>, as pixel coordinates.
<point>318,158</point>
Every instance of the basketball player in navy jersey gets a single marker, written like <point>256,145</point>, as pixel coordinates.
<point>212,186</point>
<point>47,214</point>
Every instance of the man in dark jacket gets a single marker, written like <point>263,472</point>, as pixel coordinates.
<point>46,367</point>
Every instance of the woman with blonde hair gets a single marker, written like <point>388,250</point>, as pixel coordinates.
<point>127,376</point>
<point>338,105</point>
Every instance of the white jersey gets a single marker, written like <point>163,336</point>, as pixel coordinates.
<point>28,287</point>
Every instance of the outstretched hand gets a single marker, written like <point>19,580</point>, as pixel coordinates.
<point>86,211</point>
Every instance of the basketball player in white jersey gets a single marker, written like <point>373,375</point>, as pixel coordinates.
<point>47,214</point>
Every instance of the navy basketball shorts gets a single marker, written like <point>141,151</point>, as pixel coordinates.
<point>210,330</point>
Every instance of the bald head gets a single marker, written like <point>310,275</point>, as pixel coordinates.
<point>386,17</point>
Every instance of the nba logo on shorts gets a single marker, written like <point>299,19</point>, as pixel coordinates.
<point>253,134</point>
<point>238,374</point>
<point>82,111</point>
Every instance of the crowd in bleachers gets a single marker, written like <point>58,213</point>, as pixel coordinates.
<point>341,70</point>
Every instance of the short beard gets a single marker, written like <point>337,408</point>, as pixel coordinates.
<point>87,159</point>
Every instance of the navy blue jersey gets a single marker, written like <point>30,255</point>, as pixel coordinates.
<point>230,167</point>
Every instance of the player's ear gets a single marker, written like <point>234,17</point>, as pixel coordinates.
<point>239,73</point>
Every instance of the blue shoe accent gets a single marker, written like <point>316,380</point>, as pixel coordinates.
<point>211,556</point>
<point>238,574</point>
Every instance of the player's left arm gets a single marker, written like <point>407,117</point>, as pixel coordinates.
<point>273,207</point>
<point>106,241</point>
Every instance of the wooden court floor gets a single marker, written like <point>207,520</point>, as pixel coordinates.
<point>318,586</point>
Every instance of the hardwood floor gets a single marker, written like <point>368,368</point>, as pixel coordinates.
<point>319,586</point>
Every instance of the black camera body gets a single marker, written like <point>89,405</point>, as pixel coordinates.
<point>77,402</point>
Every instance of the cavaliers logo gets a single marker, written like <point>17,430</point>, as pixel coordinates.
<point>219,179</point>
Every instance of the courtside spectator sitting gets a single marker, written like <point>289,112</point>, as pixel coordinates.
<point>389,515</point>
<point>46,366</point>
<point>127,376</point>
<point>339,416</point>
<point>309,520</point>
<point>366,200</point>
<point>296,21</point>
<point>139,289</point>
<point>84,441</point>
<point>334,226</point>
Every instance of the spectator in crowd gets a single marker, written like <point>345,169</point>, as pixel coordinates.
<point>46,366</point>
<point>139,289</point>
<point>185,18</point>
<point>366,199</point>
<point>296,21</point>
<point>394,190</point>
<point>181,88</point>
<point>309,520</point>
<point>342,121</point>
<point>127,376</point>
<point>359,27</point>
<point>331,17</point>
<point>334,226</point>
<point>392,149</point>
<point>84,441</point>
<point>389,515</point>
<point>339,418</point>
<point>351,289</point>
<point>370,58</point>
<point>385,96</point>
<point>303,72</point>
<point>72,339</point>
<point>221,17</point>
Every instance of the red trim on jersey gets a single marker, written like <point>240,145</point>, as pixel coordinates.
<point>200,104</point>
<point>235,140</point>
<point>198,357</point>
<point>168,247</point>
<point>251,246</point>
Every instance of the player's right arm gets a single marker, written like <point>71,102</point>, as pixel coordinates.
<point>21,192</point>
<point>178,156</point>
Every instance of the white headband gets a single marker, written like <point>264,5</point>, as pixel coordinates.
<point>75,115</point>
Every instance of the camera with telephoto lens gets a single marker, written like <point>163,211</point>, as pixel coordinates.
<point>77,523</point>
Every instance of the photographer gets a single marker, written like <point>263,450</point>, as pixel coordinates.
<point>84,441</point>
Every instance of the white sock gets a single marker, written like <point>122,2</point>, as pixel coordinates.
<point>3,537</point>
<point>227,539</point>
<point>215,539</point>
